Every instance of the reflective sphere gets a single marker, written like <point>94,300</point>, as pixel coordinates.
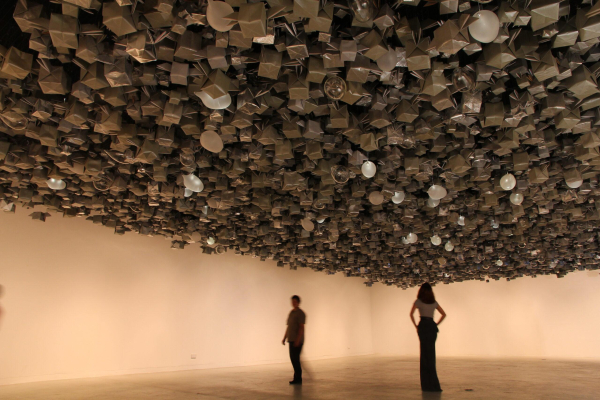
<point>461,221</point>
<point>321,220</point>
<point>486,28</point>
<point>187,159</point>
<point>56,184</point>
<point>211,141</point>
<point>376,198</point>
<point>516,198</point>
<point>187,192</point>
<point>412,238</point>
<point>193,183</point>
<point>340,173</point>
<point>318,204</point>
<point>118,157</point>
<point>436,240</point>
<point>575,184</point>
<point>508,182</point>
<point>308,225</point>
<point>463,79</point>
<point>369,169</point>
<point>219,103</point>
<point>388,61</point>
<point>210,241</point>
<point>335,87</point>
<point>102,183</point>
<point>449,246</point>
<point>14,120</point>
<point>215,14</point>
<point>220,250</point>
<point>362,10</point>
<point>437,192</point>
<point>432,203</point>
<point>499,263</point>
<point>398,197</point>
<point>495,224</point>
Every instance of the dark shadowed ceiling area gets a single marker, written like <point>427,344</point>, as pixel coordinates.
<point>399,142</point>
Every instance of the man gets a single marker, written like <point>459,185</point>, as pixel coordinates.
<point>295,336</point>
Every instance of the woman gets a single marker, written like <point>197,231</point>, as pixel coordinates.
<point>427,330</point>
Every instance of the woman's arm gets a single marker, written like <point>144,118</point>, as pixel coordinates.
<point>412,317</point>
<point>441,311</point>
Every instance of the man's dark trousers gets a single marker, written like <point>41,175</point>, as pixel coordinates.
<point>295,357</point>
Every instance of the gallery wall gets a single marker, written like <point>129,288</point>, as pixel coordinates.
<point>80,301</point>
<point>544,317</point>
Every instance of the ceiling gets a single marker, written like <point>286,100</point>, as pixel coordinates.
<point>399,142</point>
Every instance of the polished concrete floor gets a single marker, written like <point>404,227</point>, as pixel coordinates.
<point>369,377</point>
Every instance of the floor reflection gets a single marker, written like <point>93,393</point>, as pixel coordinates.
<point>432,395</point>
<point>297,391</point>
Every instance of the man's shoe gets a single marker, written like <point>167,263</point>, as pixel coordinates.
<point>295,382</point>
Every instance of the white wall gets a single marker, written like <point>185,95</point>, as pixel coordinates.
<point>542,317</point>
<point>81,301</point>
